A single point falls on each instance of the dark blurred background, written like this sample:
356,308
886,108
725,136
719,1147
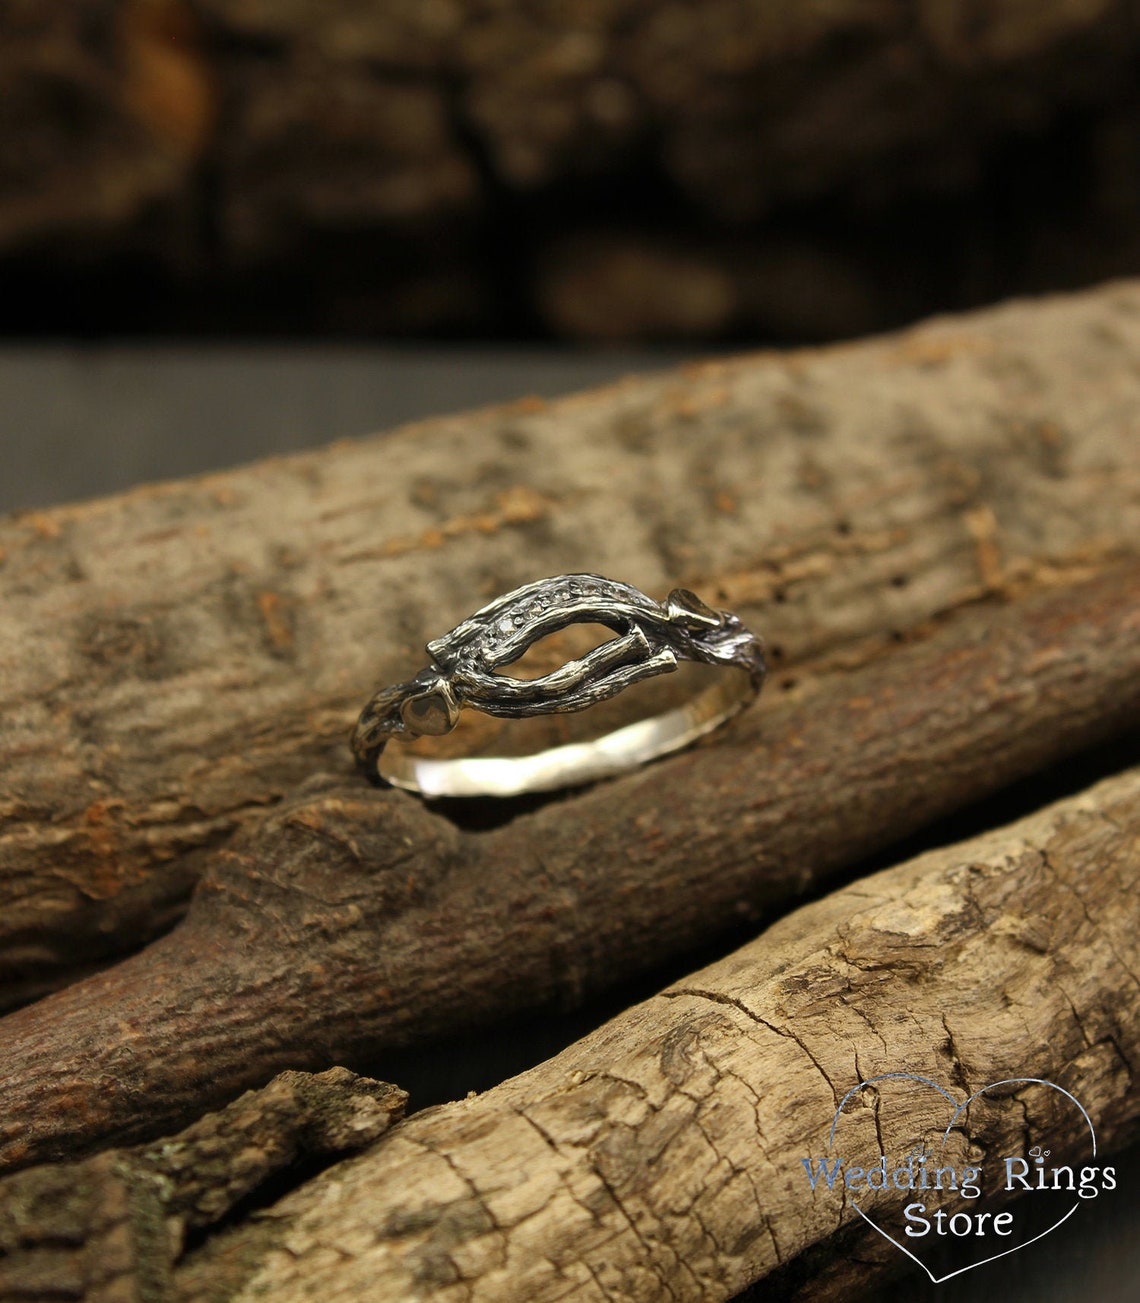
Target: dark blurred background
589,170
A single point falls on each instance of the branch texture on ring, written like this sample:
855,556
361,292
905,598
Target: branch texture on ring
652,637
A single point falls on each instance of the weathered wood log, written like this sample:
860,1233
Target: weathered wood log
113,1225
177,659
662,1156
352,920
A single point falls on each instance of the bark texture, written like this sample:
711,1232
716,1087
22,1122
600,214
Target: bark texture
661,1156
351,920
176,660
936,532
111,1227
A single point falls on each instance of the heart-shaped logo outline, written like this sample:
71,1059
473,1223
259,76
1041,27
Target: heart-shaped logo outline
1008,1081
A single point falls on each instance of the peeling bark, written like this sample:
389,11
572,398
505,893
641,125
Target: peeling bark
661,1156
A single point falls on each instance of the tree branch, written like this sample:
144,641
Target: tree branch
178,659
662,1155
351,921
112,1226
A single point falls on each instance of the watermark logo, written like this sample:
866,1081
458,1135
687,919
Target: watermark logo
927,1184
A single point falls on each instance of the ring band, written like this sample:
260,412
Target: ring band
652,637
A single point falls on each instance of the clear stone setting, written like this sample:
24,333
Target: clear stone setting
428,715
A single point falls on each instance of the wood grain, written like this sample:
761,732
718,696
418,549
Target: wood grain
662,1156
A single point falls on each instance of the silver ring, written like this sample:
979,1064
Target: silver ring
652,637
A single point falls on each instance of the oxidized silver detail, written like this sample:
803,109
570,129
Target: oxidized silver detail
652,638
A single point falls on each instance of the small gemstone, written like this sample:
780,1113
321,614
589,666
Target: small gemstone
506,626
427,715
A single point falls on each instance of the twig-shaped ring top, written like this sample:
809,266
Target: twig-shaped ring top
652,637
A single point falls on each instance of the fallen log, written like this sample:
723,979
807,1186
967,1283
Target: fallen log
351,921
177,659
113,1225
662,1156
966,623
